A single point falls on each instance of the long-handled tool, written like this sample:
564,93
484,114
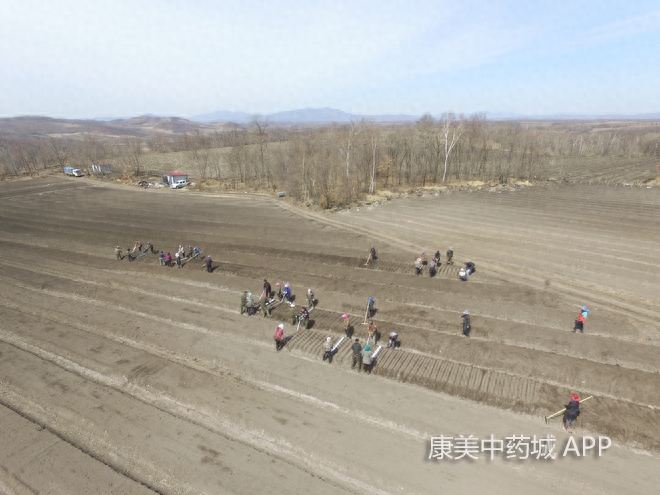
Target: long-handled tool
368,259
366,315
564,410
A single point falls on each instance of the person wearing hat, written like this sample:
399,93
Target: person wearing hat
466,323
249,304
287,292
118,253
347,325
356,358
462,274
581,318
294,314
278,336
371,307
366,359
327,349
423,258
279,291
572,412
244,302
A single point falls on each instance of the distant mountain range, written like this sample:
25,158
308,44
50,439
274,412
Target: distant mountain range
303,116
330,115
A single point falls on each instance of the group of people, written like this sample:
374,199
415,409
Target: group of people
164,259
434,263
469,269
133,253
282,293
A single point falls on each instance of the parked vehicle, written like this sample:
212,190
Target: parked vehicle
179,184
73,172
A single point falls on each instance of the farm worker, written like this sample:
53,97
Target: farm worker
244,302
356,358
168,260
450,256
279,291
310,298
177,255
128,254
423,258
581,318
294,314
265,311
327,349
278,336
437,257
470,267
118,253
303,316
418,266
466,323
190,251
196,251
373,253
371,307
366,359
287,292
209,264
249,303
267,289
462,275
150,247
347,325
392,340
572,412
161,258
371,332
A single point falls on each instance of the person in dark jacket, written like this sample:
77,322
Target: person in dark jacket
267,289
357,355
470,267
209,264
466,323
450,256
572,412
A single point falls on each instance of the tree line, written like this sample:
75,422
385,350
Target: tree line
337,164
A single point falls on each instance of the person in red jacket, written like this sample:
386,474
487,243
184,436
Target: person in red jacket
278,336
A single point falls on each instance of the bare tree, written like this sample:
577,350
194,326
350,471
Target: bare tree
134,149
452,130
260,125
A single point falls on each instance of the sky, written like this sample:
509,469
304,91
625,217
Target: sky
116,58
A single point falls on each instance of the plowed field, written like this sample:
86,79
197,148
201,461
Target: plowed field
131,377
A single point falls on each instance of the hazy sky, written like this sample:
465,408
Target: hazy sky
70,58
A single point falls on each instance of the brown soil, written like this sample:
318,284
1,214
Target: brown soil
120,377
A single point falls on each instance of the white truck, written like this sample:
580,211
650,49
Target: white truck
73,171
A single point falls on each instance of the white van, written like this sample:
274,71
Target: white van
179,184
